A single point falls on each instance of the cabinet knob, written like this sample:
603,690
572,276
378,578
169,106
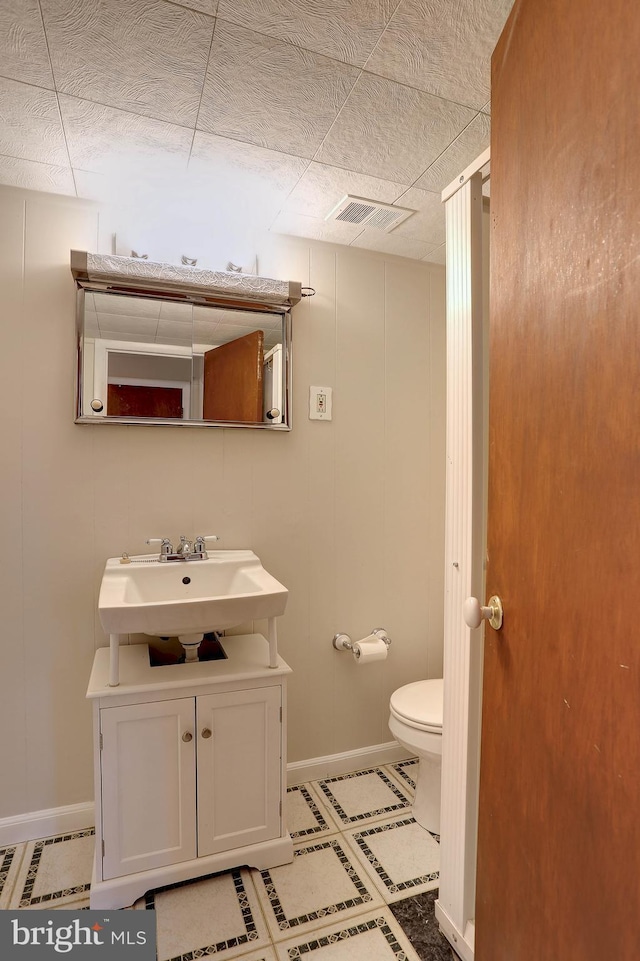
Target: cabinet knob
206,732
187,736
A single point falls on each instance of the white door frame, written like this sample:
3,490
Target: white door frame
464,550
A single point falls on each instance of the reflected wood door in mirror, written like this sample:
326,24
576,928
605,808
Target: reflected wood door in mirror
233,376
128,400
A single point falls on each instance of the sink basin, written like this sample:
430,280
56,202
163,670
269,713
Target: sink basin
149,597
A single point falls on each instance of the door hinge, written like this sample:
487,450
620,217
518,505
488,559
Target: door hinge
281,715
280,809
101,742
103,849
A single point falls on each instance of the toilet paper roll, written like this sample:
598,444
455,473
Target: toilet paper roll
370,648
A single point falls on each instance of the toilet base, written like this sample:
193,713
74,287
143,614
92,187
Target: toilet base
426,803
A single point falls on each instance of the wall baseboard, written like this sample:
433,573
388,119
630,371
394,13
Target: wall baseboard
47,823
333,765
77,817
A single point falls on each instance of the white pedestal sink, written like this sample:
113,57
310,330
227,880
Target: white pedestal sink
187,600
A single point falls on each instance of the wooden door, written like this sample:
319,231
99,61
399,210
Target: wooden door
559,822
233,376
239,772
148,786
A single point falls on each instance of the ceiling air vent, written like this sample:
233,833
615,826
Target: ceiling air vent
368,213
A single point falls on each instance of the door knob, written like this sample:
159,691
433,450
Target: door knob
187,736
474,613
206,732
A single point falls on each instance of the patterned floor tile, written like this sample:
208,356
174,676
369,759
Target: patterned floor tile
306,817
217,915
10,859
55,871
362,796
401,857
322,885
406,773
374,936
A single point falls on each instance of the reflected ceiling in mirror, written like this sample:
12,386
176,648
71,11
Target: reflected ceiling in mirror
181,357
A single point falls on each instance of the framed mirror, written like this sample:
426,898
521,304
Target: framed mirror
183,355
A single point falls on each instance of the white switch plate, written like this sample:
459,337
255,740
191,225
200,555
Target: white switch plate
320,403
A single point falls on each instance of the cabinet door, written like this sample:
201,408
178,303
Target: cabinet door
148,785
239,774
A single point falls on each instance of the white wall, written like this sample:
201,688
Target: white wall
348,514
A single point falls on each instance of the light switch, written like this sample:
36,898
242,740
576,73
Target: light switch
320,403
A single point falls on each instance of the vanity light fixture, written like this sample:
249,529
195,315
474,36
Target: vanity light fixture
136,273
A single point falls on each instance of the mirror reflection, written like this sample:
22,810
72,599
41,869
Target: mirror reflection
149,359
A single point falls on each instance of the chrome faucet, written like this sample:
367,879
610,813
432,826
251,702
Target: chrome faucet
187,550
185,547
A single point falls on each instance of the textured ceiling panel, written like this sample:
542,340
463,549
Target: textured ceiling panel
217,158
23,47
428,223
36,176
458,155
31,126
437,256
271,93
442,47
392,244
146,56
346,30
321,187
202,123
104,140
315,228
204,6
392,131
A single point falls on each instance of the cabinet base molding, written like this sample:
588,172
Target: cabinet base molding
122,892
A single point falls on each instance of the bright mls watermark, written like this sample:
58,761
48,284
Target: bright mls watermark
79,935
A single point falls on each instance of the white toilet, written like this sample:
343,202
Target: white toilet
416,723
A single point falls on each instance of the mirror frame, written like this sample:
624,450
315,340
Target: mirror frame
135,277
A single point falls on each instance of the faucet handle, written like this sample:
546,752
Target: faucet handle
199,543
166,547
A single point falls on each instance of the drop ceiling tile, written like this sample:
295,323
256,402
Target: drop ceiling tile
321,187
437,256
441,47
171,332
271,93
119,324
31,128
23,47
316,228
204,6
104,140
391,131
146,56
428,223
36,176
107,303
371,239
257,177
346,30
177,313
458,155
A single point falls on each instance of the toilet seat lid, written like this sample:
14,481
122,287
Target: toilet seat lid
420,703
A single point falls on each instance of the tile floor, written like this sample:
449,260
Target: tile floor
360,887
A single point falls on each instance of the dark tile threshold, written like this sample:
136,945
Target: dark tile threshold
416,917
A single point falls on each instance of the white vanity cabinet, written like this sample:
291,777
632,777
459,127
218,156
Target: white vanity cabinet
190,771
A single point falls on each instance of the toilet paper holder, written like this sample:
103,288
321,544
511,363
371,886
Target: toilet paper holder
342,642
